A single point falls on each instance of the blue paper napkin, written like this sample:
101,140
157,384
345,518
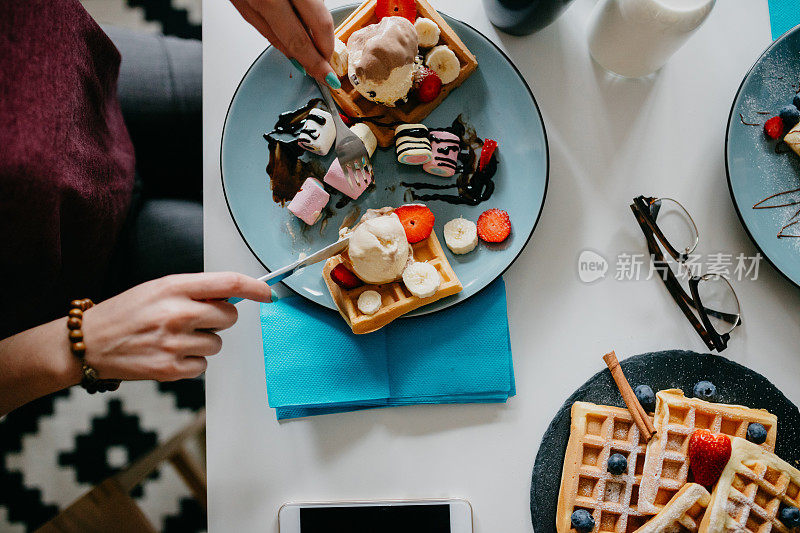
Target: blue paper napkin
783,16
315,365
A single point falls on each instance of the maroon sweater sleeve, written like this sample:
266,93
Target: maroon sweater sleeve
66,161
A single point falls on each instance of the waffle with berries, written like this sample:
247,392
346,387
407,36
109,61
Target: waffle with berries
396,300
597,432
676,418
383,119
751,491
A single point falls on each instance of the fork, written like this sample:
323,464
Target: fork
350,150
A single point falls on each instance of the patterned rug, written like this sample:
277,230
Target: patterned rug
57,448
180,18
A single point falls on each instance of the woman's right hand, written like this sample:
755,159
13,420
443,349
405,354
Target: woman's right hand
164,329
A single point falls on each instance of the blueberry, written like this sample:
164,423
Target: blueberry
617,464
582,521
796,101
790,116
756,433
788,515
646,397
705,390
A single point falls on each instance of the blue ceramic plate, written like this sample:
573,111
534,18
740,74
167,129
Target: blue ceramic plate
495,100
755,171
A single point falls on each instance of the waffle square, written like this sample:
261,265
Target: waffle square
750,490
355,105
682,514
596,432
396,300
666,467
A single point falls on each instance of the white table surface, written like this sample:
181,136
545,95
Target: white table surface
610,140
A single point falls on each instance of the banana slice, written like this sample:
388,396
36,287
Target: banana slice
461,235
427,31
369,302
443,62
422,279
366,136
339,58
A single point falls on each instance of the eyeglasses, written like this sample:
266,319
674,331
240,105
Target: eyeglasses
713,308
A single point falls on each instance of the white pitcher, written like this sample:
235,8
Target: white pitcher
634,38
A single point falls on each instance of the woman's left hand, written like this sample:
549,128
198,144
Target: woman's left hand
301,29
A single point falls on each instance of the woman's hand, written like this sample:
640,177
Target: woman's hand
164,329
301,29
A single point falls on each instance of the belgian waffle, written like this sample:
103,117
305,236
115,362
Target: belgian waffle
396,300
596,432
355,105
676,417
682,514
750,491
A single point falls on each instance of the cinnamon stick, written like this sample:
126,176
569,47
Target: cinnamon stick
640,417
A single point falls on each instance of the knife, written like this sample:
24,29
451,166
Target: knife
282,273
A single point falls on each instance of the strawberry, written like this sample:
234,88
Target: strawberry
429,85
344,278
494,225
417,220
708,455
347,120
396,8
487,151
774,128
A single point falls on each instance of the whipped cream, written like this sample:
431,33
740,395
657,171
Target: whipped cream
380,59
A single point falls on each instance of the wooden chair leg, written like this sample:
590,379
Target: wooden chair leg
192,474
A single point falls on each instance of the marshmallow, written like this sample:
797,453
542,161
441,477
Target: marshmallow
338,60
444,147
309,202
413,144
336,178
318,132
366,136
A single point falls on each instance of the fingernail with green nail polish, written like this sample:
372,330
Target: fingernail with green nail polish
333,81
298,66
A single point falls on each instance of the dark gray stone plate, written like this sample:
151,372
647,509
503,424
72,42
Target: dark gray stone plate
673,369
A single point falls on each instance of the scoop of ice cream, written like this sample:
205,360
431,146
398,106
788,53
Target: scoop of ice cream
380,59
378,249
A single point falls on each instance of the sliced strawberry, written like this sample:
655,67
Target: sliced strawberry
347,120
344,278
774,128
417,220
708,454
494,225
429,85
396,8
487,151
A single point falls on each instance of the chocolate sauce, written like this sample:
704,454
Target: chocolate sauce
741,117
287,166
472,186
312,134
417,133
444,147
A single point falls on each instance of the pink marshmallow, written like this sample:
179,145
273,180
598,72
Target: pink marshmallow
444,147
336,178
309,202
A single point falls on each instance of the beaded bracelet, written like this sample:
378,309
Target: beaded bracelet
89,379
